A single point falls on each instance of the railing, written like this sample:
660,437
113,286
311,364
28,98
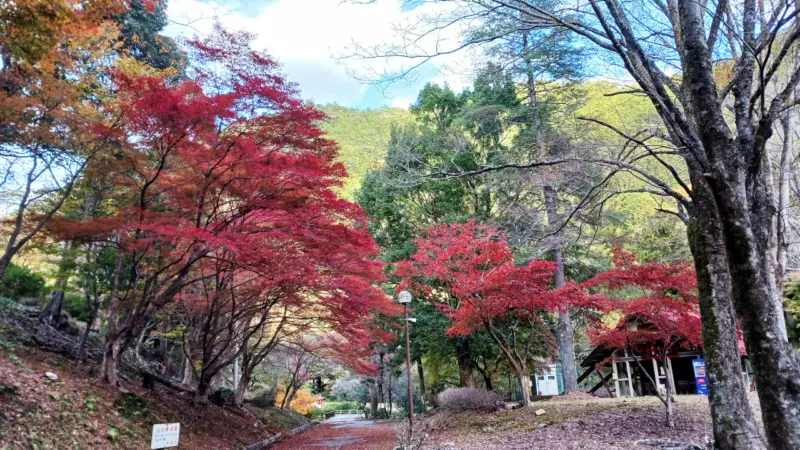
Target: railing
347,411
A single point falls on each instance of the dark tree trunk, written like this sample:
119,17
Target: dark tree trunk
52,311
734,424
389,391
381,378
777,368
51,314
745,212
487,381
201,394
5,261
292,395
373,401
464,356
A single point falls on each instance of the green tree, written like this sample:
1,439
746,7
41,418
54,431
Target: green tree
140,35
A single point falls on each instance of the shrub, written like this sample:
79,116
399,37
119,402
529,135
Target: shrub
302,402
314,413
224,395
7,306
412,438
469,399
339,406
76,305
264,399
21,282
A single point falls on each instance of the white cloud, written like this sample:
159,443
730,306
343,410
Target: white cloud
401,102
305,34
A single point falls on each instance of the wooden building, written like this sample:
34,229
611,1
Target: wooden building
621,375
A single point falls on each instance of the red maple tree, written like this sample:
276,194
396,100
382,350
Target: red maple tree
224,197
473,268
659,311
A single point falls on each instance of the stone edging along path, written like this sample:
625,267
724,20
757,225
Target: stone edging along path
266,443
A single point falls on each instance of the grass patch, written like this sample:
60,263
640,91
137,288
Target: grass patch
131,406
90,403
113,433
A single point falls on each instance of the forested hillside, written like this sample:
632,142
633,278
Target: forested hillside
362,136
583,231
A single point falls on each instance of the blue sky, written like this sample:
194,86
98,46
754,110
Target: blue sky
306,35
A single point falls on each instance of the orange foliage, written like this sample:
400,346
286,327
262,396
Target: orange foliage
302,402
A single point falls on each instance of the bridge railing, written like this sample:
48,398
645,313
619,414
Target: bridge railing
347,411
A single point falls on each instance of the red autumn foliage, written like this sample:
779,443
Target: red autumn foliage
660,313
475,268
661,299
470,269
223,196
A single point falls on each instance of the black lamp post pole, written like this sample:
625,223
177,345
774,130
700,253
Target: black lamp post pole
408,369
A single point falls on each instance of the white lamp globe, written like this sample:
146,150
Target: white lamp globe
404,297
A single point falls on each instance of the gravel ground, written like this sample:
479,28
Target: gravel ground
587,424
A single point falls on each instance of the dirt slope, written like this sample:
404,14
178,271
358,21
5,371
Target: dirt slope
79,412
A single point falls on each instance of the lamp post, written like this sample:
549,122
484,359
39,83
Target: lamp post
404,297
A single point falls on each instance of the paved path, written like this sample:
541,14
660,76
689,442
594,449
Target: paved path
343,432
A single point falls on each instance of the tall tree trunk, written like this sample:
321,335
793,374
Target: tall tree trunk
777,367
373,401
745,212
421,375
464,356
734,424
564,330
775,236
381,377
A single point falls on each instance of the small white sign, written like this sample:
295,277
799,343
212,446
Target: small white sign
165,435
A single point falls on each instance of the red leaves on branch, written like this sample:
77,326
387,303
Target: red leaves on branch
658,303
222,191
472,267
